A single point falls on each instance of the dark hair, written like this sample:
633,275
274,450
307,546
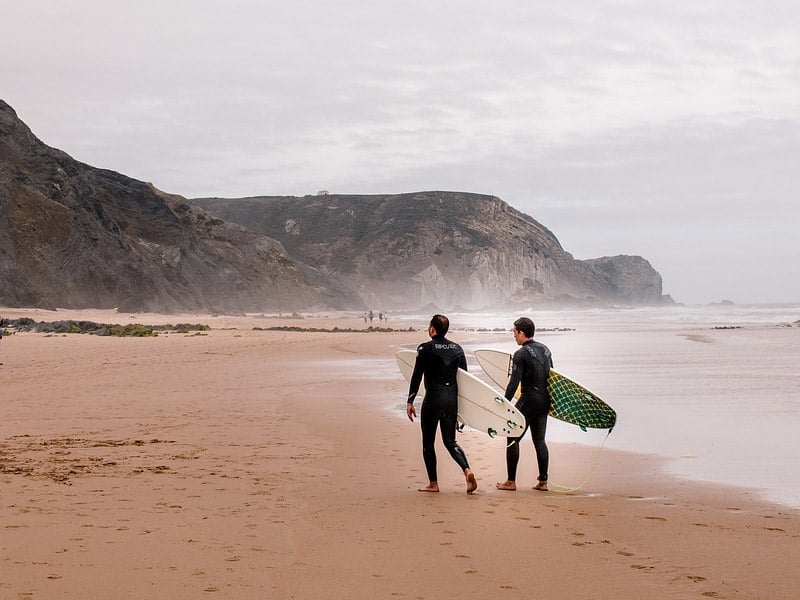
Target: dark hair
526,326
441,324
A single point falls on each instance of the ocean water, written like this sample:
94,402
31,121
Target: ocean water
713,389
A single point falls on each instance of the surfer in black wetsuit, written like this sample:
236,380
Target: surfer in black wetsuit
438,362
530,367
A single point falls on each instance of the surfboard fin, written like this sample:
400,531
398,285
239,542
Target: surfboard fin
491,432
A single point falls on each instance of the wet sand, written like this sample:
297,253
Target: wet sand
240,463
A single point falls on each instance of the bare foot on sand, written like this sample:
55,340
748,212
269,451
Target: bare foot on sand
508,486
431,487
541,486
472,484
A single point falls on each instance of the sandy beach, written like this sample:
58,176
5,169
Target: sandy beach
244,463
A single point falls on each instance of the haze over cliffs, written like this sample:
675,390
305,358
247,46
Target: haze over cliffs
445,249
72,235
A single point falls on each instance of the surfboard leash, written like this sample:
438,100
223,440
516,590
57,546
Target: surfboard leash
561,489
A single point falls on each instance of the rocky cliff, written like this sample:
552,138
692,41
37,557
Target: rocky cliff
75,236
445,249
72,235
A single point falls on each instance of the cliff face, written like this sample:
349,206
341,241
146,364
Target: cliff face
75,236
447,249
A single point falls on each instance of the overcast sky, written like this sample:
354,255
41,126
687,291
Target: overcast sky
654,128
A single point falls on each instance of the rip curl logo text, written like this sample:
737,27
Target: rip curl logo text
445,346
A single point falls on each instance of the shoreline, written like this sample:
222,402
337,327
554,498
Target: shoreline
684,464
470,337
257,464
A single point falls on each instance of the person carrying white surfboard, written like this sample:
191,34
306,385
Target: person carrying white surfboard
530,368
438,361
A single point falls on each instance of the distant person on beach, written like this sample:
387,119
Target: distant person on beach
530,367
438,362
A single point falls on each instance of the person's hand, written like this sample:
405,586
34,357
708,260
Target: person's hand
411,411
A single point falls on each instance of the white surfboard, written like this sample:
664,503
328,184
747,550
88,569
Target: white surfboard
480,406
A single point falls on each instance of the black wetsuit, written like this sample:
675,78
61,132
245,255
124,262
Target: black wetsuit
438,361
530,367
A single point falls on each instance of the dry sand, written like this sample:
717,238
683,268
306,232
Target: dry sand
260,464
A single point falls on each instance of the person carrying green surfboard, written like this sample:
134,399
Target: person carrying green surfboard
530,368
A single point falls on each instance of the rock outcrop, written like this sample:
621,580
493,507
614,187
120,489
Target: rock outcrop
74,236
444,249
